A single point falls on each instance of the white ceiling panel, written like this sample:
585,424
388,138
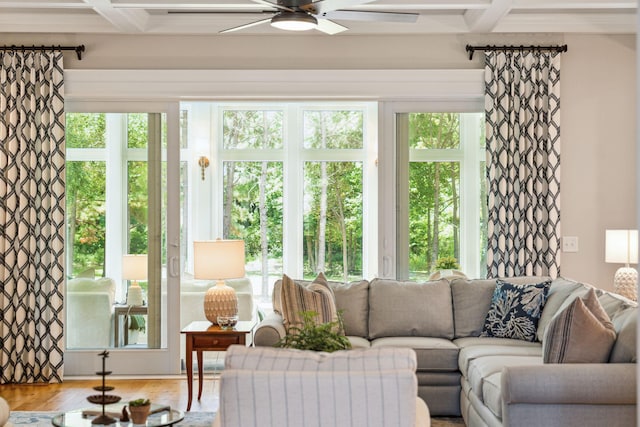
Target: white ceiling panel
213,16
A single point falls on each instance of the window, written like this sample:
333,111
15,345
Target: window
443,223
293,180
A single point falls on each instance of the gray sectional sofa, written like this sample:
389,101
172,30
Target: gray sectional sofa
489,381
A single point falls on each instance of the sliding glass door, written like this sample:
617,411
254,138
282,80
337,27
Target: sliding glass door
118,205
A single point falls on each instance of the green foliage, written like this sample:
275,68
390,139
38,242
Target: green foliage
139,402
327,337
86,191
447,263
137,322
434,191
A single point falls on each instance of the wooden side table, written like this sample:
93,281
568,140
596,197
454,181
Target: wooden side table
205,336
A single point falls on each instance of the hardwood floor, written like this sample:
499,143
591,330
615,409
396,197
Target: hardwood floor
72,394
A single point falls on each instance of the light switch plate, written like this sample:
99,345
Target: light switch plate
570,244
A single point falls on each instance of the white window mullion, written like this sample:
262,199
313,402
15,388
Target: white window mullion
293,195
203,219
387,206
469,197
116,212
370,194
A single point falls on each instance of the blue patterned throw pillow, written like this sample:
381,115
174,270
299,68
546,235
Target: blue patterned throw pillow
515,310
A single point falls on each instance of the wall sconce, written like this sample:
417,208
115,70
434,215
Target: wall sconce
203,162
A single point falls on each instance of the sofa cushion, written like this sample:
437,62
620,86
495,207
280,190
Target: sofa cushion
353,300
612,303
470,353
297,298
433,354
561,293
471,302
515,310
359,342
625,323
491,394
473,341
482,367
472,299
581,333
410,309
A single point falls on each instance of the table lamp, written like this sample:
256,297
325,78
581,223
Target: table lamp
219,260
134,268
622,248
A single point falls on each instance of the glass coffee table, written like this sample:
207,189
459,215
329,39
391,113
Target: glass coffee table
80,418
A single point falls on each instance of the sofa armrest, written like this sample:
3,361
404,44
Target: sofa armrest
569,394
269,331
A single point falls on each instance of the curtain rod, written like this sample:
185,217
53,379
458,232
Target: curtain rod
78,49
471,49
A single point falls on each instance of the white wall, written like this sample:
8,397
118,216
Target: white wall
598,102
598,128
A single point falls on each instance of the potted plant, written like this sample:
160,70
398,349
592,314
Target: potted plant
137,325
139,410
327,337
446,267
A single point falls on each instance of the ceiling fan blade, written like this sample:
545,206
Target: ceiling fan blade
274,5
330,27
356,15
323,6
249,25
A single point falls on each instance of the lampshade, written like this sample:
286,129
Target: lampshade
134,268
622,246
219,260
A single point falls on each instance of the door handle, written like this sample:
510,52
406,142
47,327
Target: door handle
174,266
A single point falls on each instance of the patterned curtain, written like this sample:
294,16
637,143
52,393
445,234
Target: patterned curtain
32,158
522,103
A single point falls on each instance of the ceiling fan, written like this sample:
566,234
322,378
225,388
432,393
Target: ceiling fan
302,15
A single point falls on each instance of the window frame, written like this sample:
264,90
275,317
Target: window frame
394,262
293,155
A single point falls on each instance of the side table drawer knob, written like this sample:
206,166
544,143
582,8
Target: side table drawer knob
213,342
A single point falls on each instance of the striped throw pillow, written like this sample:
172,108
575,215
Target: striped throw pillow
296,298
581,333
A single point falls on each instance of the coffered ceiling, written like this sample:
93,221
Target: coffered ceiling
213,16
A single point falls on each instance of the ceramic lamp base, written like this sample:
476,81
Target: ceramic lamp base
220,300
134,295
625,283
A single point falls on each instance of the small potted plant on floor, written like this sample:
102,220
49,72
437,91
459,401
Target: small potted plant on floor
139,410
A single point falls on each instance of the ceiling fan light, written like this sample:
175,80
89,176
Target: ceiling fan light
294,21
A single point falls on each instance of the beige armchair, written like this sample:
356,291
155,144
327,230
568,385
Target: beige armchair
268,387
